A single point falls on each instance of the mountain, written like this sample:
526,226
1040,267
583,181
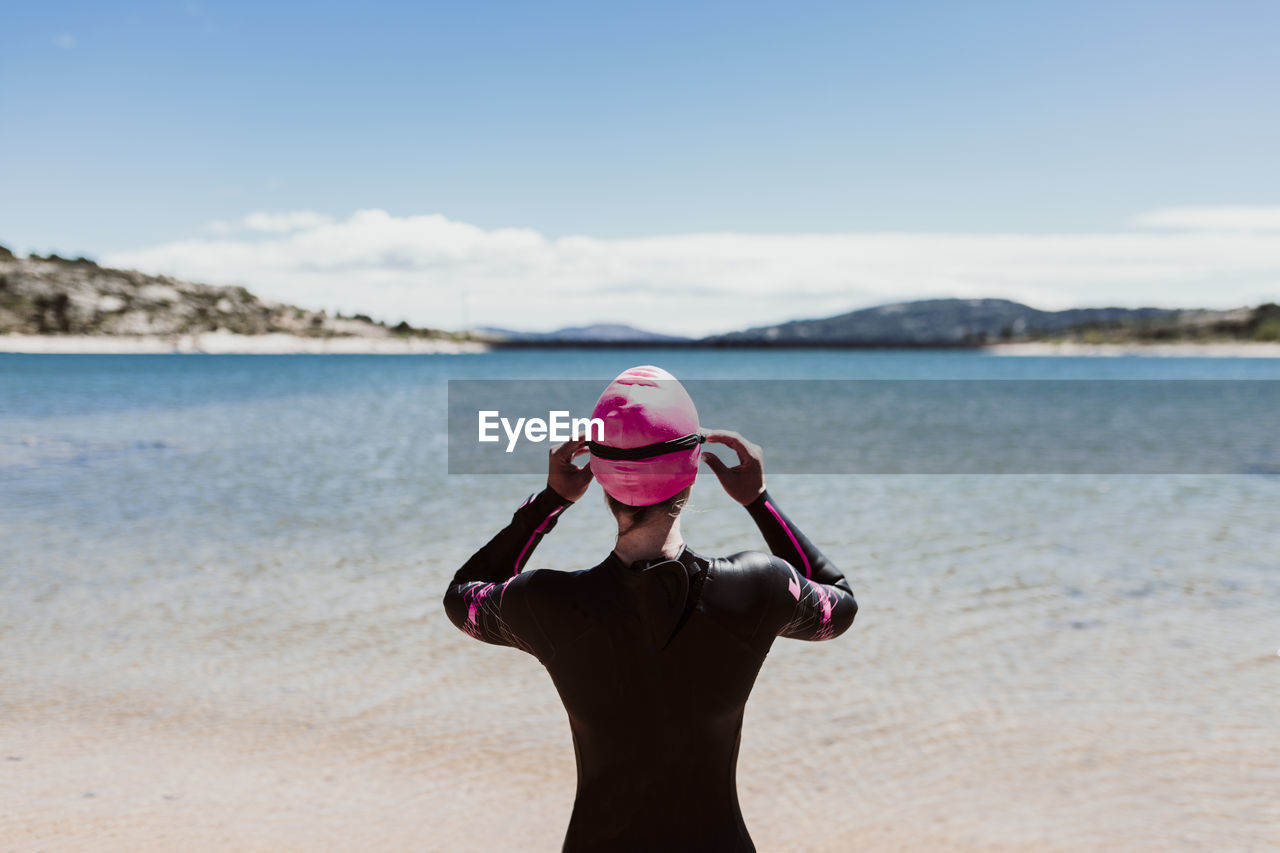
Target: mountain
951,322
57,296
615,333
54,296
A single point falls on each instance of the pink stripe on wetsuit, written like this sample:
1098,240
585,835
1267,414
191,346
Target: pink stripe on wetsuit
808,570
533,537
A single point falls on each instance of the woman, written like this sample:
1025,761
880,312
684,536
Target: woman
655,650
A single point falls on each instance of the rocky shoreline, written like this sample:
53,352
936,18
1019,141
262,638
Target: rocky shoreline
54,304
278,343
58,305
229,343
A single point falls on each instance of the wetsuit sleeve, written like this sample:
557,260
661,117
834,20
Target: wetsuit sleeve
488,597
809,597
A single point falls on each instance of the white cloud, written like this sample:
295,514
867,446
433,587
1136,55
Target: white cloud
435,271
1247,218
271,223
283,223
66,41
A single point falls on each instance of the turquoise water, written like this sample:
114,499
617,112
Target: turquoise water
205,544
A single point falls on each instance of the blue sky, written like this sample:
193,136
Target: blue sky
130,127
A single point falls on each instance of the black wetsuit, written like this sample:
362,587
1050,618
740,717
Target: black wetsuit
654,663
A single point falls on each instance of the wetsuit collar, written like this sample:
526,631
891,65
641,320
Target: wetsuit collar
664,592
687,557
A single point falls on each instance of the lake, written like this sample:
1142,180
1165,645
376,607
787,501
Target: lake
220,620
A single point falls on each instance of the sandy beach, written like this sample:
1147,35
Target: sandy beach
227,343
1183,350
926,767
131,787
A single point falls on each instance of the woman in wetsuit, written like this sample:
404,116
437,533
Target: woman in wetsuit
655,650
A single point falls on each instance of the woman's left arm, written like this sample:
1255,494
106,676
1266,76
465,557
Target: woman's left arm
475,596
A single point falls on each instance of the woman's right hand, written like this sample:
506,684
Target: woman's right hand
743,482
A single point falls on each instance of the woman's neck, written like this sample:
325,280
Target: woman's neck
650,542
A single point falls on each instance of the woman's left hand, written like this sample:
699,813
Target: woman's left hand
566,479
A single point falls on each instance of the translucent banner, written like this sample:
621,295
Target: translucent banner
909,426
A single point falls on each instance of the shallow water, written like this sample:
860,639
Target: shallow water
221,577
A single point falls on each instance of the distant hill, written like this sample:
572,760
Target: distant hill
597,333
57,296
952,322
54,296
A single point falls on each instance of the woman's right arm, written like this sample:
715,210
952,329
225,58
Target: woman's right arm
821,604
809,597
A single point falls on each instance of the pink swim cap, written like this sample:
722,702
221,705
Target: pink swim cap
650,448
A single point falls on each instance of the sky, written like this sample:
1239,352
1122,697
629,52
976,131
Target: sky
688,167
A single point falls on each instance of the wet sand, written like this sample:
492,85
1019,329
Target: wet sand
133,788
910,756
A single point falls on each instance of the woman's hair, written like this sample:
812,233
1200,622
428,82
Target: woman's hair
635,516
